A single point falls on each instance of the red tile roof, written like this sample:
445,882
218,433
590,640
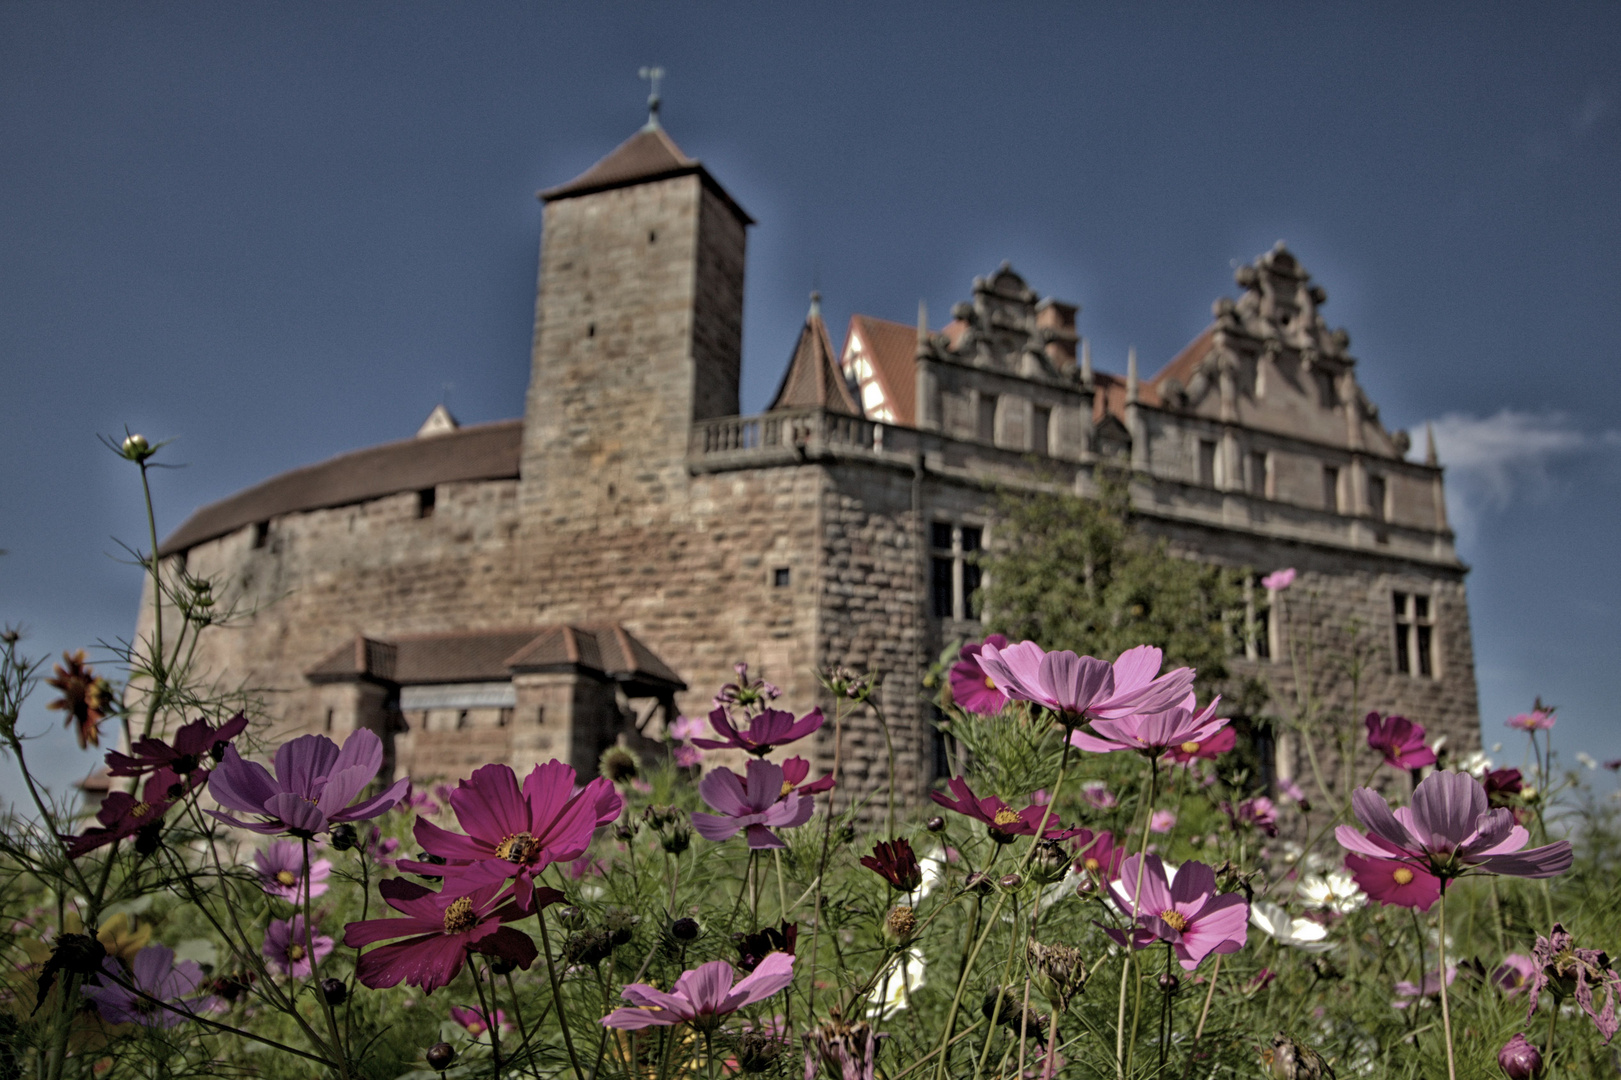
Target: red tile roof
648,155
813,378
892,348
480,452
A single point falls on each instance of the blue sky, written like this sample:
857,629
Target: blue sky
277,232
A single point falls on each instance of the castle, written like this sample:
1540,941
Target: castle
540,587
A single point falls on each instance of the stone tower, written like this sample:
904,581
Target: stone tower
638,331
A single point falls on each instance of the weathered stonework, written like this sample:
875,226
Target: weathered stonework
634,496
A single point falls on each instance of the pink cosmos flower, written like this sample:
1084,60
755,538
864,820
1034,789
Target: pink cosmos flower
1535,720
195,744
971,688
1003,822
1400,740
313,786
767,731
1290,791
755,806
746,693
1449,831
515,832
701,997
1257,813
441,931
688,727
1407,993
1208,749
1098,796
1083,687
1185,911
1514,973
1151,734
686,757
1162,821
1278,580
154,973
419,802
281,871
1097,854
287,949
794,771
475,1020
1393,882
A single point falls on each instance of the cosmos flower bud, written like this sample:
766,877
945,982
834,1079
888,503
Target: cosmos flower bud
626,830
589,947
344,837
757,1051
335,991
936,824
979,882
1011,881
1519,1059
135,448
900,924
1049,863
440,1056
502,965
1058,969
618,765
685,929
571,916
676,840
1169,983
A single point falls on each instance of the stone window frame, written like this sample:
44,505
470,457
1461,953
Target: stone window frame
1260,640
965,575
1415,647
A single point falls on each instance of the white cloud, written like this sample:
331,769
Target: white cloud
1495,461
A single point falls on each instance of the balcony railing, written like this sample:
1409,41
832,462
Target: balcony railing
794,433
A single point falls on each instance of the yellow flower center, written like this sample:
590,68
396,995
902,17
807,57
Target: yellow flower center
140,809
1092,864
786,788
1005,816
459,916
295,952
990,683
1190,747
1402,876
518,848
1174,919
286,877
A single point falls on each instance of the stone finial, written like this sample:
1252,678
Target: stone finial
922,321
439,422
1086,361
652,75
1131,375
816,306
1431,458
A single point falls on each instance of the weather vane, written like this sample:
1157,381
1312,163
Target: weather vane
652,75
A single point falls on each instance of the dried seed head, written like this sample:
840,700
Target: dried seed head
1059,971
900,924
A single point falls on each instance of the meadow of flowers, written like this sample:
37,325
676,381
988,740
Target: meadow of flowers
1101,890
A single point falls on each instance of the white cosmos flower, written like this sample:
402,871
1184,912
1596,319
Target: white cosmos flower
894,987
933,866
1334,891
1304,934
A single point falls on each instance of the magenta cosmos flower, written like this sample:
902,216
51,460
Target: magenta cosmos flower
1003,822
703,996
1083,686
195,744
1097,855
1449,831
153,973
1399,884
441,931
1151,734
288,948
281,871
312,788
794,771
1514,973
1207,749
1535,720
971,688
1184,910
122,814
476,1021
771,729
753,806
1400,740
515,832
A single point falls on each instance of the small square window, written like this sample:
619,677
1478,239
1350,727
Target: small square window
943,587
987,418
1331,489
780,577
261,533
971,535
1207,463
1040,424
940,535
426,498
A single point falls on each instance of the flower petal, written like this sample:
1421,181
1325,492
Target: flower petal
241,785
302,764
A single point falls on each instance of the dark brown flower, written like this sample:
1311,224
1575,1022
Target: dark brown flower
85,697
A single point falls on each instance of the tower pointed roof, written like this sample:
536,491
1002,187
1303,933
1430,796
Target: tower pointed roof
646,156
813,379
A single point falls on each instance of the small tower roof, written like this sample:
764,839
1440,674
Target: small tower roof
648,155
813,378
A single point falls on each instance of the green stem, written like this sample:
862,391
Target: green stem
1446,1012
1125,963
315,970
557,994
490,1024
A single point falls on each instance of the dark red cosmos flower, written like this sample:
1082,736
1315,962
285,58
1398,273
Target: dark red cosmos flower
85,698
1003,822
771,729
752,948
444,930
1502,785
971,688
122,814
1098,854
1400,740
193,743
1568,971
1219,743
896,863
794,771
